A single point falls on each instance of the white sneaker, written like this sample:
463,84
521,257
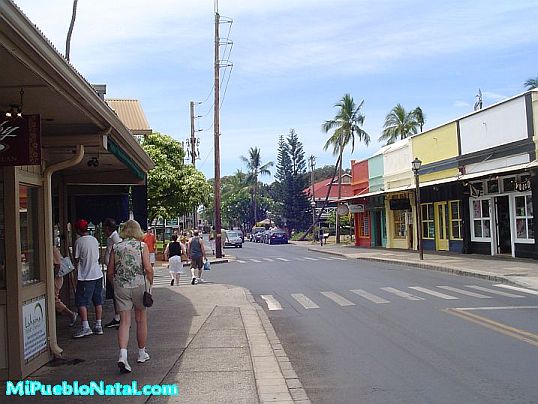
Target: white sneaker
124,365
142,357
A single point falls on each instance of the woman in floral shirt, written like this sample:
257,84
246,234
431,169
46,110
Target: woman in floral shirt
126,267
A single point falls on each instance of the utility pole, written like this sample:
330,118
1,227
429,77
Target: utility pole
216,127
194,144
312,164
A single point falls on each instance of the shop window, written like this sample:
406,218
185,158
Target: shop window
400,229
524,218
428,223
481,228
455,220
2,237
29,230
509,184
364,225
493,186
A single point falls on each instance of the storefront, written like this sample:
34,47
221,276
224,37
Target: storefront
401,231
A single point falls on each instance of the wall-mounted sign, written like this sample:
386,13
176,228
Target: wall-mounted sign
342,209
400,204
20,141
522,186
34,327
356,208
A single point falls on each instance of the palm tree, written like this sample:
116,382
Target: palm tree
399,124
255,168
346,124
419,117
531,83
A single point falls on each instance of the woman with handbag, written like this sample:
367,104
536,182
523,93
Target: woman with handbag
173,253
58,283
130,270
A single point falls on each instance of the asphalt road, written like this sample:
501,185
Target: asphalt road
362,332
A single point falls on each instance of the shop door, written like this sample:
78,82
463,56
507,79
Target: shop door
441,226
502,219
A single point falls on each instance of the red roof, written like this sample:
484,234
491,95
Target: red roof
320,189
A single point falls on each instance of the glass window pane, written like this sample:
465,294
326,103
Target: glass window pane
485,208
477,212
478,228
530,228
485,228
424,212
425,229
431,230
456,229
493,186
430,211
509,184
521,228
520,206
455,209
29,229
530,211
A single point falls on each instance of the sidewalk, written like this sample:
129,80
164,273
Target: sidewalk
212,340
514,271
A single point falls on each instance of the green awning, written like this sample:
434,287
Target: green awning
125,159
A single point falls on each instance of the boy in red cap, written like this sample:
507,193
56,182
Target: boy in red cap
90,279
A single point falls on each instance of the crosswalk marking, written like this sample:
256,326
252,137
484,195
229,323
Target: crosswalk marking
340,300
401,293
326,258
304,301
241,262
283,259
369,296
517,289
495,292
299,259
268,259
253,260
465,292
310,259
433,293
272,303
340,258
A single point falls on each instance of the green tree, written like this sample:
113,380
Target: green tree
255,169
531,83
174,189
399,124
346,125
290,183
419,117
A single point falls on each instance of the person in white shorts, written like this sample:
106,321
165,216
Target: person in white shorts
174,251
151,242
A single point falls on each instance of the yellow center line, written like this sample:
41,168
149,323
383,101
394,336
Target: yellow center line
521,335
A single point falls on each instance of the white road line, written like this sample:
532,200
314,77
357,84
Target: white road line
299,259
401,293
268,259
304,301
369,296
433,293
465,292
326,258
517,289
340,259
283,259
241,262
335,297
310,259
495,292
496,308
272,303
253,260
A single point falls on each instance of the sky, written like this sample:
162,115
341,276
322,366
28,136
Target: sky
293,60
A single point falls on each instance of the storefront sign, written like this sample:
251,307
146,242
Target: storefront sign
356,208
20,141
523,186
399,204
34,325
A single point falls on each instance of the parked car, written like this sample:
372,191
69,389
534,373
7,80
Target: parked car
240,232
233,239
265,236
255,235
277,236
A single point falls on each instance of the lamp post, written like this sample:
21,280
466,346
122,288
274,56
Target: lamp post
313,205
416,163
312,164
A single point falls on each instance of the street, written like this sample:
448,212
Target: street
363,332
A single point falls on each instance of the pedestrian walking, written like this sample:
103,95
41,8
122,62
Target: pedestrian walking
196,251
212,236
173,254
131,271
151,242
58,283
111,233
90,279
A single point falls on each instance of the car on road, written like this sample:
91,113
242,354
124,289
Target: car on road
256,234
277,236
233,239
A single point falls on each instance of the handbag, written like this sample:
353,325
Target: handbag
207,265
147,299
66,266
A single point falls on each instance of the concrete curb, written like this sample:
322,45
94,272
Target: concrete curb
295,390
427,266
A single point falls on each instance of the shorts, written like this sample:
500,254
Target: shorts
197,262
89,290
152,258
175,265
126,298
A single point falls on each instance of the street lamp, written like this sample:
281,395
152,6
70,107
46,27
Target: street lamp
416,163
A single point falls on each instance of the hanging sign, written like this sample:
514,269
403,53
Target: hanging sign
356,208
20,141
342,209
34,331
523,186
